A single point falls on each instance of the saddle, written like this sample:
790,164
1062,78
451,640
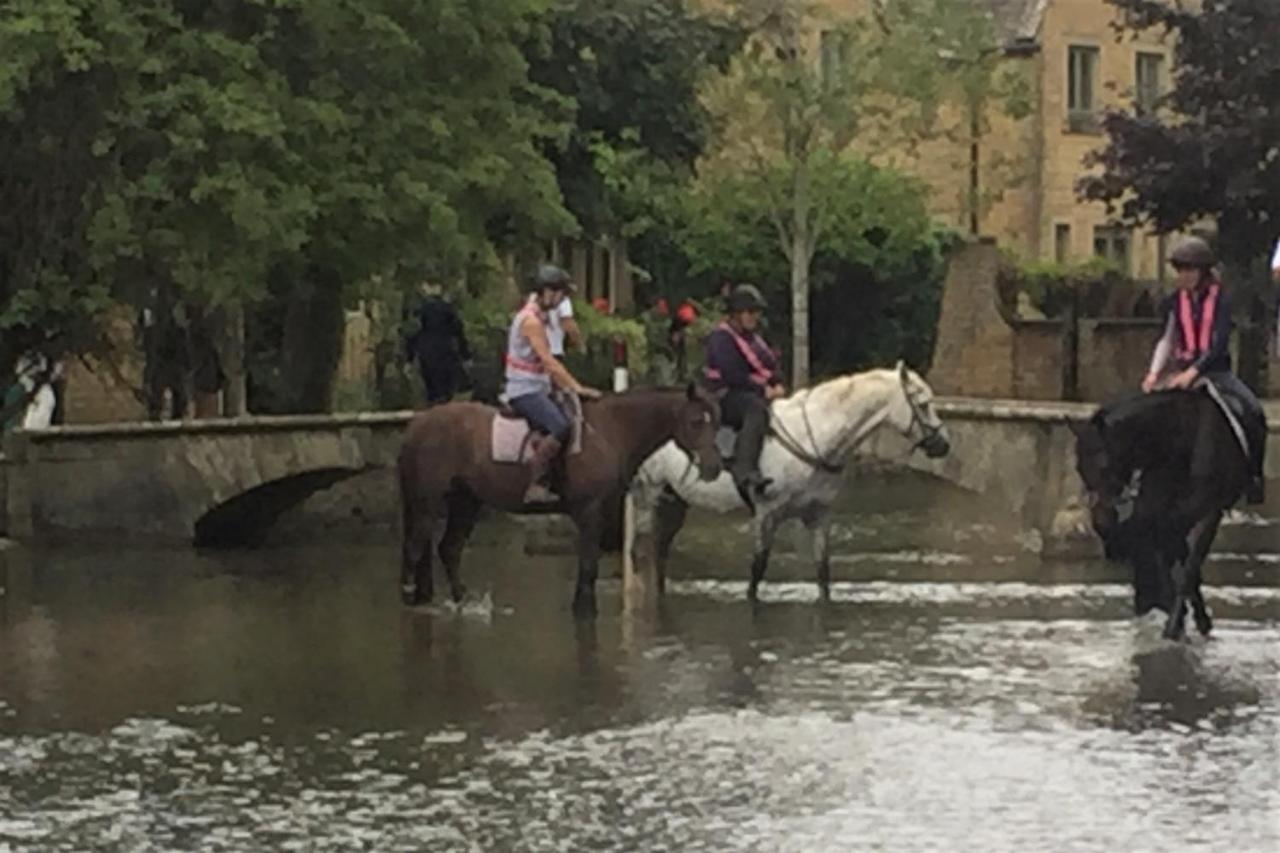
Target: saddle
513,440
1243,426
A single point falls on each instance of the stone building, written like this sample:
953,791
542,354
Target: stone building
1075,67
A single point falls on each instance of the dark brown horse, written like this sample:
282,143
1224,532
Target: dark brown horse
447,474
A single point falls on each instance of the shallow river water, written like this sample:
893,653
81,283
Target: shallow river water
956,696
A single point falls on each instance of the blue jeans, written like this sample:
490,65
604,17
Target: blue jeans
542,414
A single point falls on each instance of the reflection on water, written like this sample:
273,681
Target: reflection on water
283,700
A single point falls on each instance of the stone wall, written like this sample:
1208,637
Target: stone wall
107,389
1113,355
974,351
984,351
1040,355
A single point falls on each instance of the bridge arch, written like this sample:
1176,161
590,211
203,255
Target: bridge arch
244,520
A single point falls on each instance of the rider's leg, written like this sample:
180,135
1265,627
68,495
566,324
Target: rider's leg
546,417
752,413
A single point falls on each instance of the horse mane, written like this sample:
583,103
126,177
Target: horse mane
837,384
1136,407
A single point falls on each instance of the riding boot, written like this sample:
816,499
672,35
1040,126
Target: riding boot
539,463
746,452
1255,492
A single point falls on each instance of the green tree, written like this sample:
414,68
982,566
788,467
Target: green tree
1209,151
240,149
630,71
807,86
877,275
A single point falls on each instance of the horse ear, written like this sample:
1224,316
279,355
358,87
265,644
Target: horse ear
901,367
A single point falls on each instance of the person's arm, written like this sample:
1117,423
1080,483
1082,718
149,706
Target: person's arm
572,334
1161,354
536,333
1219,336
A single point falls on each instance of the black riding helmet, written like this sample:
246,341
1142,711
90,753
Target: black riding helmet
746,297
551,277
1193,252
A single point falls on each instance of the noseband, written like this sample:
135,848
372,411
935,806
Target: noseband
928,432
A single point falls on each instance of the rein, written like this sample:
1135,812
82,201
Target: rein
792,446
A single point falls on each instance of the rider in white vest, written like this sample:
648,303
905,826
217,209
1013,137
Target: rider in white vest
531,368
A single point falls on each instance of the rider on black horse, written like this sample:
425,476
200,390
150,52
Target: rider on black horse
1195,341
741,364
530,371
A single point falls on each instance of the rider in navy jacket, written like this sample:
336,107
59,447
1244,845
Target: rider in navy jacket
740,364
1196,341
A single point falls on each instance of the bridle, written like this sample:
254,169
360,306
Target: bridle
928,432
816,458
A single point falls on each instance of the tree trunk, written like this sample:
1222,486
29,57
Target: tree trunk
312,345
1247,283
801,255
235,401
975,169
800,258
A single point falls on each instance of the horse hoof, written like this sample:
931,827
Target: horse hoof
458,592
753,594
409,596
1205,625
1174,632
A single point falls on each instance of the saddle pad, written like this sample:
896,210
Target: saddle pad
510,441
510,438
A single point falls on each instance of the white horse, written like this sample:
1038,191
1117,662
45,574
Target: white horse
812,434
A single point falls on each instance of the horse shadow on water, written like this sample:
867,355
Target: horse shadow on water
812,435
1159,471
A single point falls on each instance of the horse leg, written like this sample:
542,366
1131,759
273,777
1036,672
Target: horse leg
765,527
1175,627
820,529
669,516
464,509
1202,536
415,568
588,520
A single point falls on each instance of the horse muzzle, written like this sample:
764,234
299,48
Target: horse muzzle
709,466
935,445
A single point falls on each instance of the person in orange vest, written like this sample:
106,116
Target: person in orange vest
740,364
1196,342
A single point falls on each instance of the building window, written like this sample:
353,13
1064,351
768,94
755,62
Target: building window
833,55
1112,242
1061,242
1148,77
1082,88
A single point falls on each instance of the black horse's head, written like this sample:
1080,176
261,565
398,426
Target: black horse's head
1105,477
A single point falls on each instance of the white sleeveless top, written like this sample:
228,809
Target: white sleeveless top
524,371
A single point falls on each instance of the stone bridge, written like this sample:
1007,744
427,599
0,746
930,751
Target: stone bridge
214,482
224,482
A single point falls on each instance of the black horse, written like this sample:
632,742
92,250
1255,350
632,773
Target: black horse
1159,470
